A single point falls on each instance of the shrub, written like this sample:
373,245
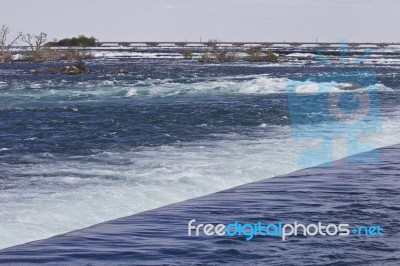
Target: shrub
34,56
47,54
224,56
187,54
218,56
271,57
257,55
202,59
5,56
254,51
81,66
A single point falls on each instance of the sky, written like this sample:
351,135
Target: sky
192,20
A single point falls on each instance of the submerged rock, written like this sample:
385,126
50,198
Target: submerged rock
70,70
34,71
123,71
53,70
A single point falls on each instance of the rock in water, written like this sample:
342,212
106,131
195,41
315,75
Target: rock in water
34,71
70,70
53,70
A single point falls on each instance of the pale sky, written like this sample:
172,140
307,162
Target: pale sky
225,20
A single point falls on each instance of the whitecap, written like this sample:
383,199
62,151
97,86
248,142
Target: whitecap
131,92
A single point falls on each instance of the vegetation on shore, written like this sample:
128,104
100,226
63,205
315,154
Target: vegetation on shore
75,69
187,54
46,54
254,54
218,55
81,41
37,51
6,43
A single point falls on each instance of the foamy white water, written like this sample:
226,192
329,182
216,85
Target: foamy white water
113,89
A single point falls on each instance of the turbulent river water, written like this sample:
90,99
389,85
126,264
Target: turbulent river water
79,150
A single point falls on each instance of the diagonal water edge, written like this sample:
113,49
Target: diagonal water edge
181,173
135,237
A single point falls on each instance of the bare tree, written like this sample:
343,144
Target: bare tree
212,43
4,32
34,41
40,39
5,45
28,38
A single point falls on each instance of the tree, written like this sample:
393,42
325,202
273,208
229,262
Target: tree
4,32
212,43
81,41
35,42
5,45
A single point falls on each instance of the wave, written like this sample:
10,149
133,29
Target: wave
50,91
129,54
259,85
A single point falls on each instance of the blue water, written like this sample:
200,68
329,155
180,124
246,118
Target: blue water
80,150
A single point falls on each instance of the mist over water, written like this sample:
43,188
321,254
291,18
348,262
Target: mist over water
79,150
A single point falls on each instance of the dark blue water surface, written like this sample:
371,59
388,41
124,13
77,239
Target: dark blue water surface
76,115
